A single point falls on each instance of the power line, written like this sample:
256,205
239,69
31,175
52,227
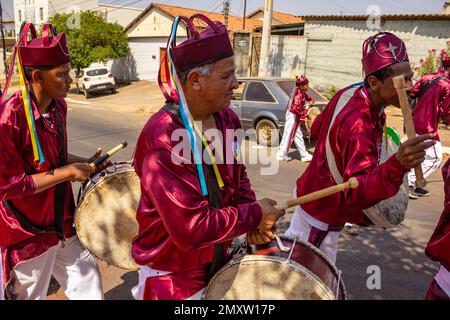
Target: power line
342,7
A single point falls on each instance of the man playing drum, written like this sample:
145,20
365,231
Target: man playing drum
431,102
292,129
354,140
438,248
190,211
37,239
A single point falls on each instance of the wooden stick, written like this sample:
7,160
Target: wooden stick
399,84
109,154
352,183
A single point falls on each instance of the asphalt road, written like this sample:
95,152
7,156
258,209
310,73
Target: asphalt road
405,271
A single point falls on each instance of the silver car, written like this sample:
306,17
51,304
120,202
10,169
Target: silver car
261,104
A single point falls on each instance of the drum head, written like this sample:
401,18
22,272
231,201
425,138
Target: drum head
106,218
266,278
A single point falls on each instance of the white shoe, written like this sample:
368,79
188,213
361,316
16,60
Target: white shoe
308,158
285,157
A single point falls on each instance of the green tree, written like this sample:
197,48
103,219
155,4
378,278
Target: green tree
93,40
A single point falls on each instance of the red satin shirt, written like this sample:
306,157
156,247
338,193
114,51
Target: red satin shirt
432,105
299,102
355,139
438,248
177,226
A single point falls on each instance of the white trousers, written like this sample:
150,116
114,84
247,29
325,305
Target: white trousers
73,267
301,227
433,158
289,134
147,272
443,280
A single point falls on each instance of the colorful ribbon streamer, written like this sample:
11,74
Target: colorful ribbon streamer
177,94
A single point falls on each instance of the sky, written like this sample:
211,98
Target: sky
296,7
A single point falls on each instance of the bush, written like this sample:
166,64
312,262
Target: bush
430,63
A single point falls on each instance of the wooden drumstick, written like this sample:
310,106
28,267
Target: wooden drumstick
109,154
352,183
399,84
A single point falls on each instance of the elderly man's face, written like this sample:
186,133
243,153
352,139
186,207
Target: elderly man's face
217,88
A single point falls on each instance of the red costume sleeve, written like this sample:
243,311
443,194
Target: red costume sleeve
190,221
376,182
310,99
444,106
14,182
298,102
438,247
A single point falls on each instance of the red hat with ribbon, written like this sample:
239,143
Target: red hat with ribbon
210,45
382,50
301,81
48,50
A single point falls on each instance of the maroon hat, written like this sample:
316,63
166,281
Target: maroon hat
301,81
211,45
381,51
49,50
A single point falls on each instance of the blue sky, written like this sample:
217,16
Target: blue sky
297,7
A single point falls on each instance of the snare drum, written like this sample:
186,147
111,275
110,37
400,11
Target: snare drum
285,270
105,218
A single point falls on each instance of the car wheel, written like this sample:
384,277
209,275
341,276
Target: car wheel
86,94
265,131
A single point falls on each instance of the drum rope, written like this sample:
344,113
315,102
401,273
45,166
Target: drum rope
292,250
338,284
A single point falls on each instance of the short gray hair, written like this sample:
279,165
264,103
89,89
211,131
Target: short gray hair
204,70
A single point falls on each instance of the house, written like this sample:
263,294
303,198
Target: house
122,15
9,28
334,43
278,18
148,34
39,11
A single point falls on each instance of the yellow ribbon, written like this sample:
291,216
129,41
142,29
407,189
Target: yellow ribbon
213,158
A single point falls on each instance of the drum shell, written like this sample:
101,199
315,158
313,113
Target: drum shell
306,259
105,218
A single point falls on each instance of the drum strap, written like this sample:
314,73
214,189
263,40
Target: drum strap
214,198
59,195
424,89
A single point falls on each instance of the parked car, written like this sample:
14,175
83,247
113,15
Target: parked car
97,79
261,104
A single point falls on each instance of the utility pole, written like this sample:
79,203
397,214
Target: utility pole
3,39
245,15
226,11
265,41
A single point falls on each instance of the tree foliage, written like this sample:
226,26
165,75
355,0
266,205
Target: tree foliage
93,39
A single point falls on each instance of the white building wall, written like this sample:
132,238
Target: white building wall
334,49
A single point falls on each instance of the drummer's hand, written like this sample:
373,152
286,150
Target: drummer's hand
102,165
258,237
80,171
411,153
270,214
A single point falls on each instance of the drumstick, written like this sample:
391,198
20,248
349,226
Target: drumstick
352,183
109,154
399,84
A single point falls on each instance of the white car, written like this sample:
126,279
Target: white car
97,79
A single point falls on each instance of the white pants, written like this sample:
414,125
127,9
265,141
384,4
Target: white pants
289,135
147,272
433,158
73,267
301,227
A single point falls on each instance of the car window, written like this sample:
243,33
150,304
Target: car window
237,94
287,86
96,72
257,91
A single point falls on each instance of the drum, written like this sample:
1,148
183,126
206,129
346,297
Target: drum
105,218
390,212
307,121
284,269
